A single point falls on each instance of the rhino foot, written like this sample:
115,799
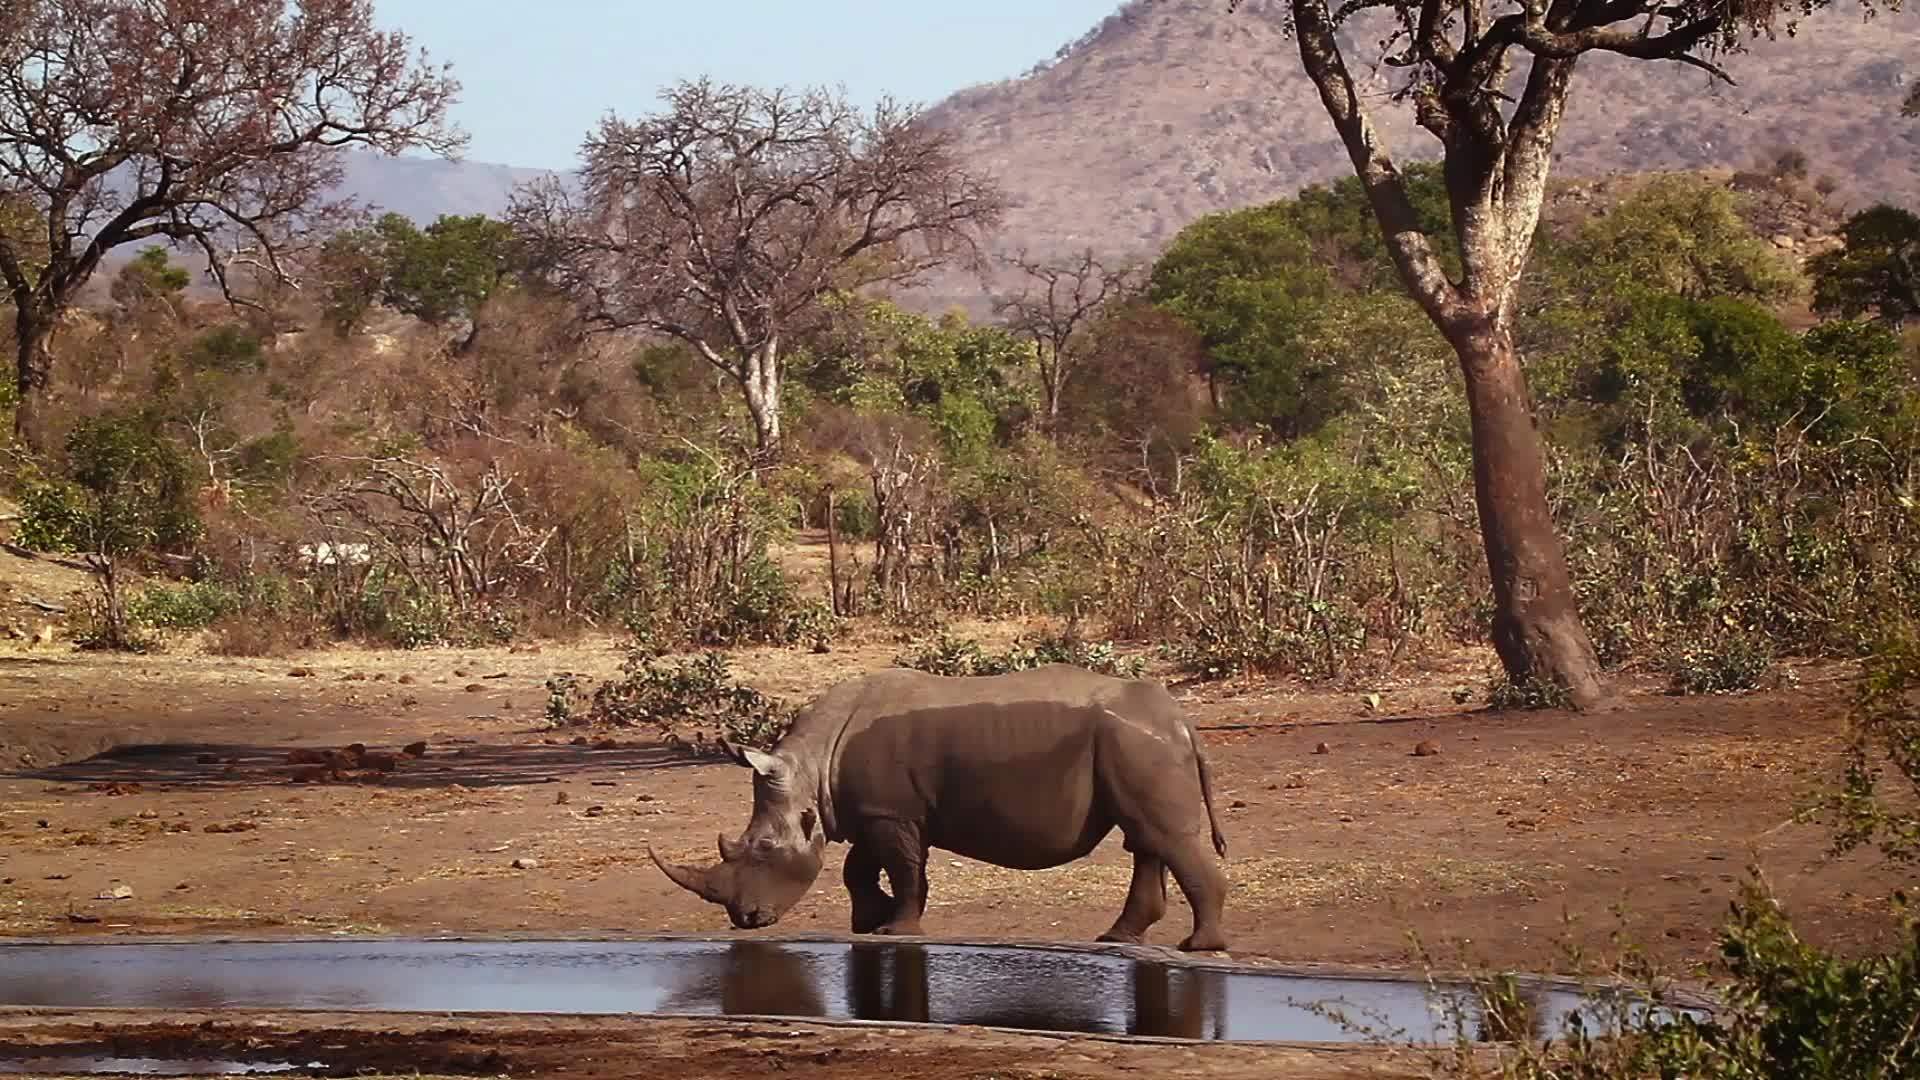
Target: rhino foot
1211,941
900,928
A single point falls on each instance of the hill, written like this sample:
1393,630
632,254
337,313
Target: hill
1170,109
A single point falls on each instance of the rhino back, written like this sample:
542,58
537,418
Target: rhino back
997,768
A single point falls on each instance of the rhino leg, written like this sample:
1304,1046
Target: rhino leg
1146,901
872,907
901,851
1205,883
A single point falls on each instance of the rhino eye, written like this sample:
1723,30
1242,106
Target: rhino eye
764,844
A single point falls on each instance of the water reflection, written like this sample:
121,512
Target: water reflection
1034,989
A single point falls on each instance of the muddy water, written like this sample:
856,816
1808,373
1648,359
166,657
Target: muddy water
1033,989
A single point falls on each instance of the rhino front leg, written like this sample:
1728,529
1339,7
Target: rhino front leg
901,851
872,907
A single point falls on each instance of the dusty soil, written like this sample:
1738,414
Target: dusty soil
1524,827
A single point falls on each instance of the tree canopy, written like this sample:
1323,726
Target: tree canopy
212,123
724,219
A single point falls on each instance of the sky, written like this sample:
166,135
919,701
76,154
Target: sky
536,77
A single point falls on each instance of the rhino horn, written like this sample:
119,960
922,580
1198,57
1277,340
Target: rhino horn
730,850
696,880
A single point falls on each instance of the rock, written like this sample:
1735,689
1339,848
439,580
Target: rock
232,827
596,811
405,680
1296,782
474,688
606,744
560,799
415,749
580,740
300,673
1782,240
380,762
526,864
82,917
459,673
1323,748
1426,749
119,890
1237,804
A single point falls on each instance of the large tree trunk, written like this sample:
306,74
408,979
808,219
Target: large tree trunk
1536,621
33,373
1496,174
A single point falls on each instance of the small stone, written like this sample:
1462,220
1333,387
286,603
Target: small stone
1426,749
596,811
580,740
300,673
473,688
560,799
405,680
526,864
1323,748
1238,804
415,749
119,890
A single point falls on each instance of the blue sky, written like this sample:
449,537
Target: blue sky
537,76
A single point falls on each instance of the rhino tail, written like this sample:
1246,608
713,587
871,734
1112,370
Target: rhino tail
1206,793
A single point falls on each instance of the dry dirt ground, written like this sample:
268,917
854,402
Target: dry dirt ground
167,774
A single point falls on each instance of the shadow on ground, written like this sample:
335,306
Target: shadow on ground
222,765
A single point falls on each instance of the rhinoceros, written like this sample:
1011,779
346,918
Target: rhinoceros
1028,770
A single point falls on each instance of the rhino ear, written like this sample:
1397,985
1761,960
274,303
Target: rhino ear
768,765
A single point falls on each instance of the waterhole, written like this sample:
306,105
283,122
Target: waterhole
1035,989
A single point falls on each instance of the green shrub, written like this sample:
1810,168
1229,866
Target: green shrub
1503,693
948,655
192,605
1725,665
699,694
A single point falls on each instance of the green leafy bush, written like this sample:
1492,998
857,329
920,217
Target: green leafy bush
192,605
1503,693
948,655
1726,664
698,694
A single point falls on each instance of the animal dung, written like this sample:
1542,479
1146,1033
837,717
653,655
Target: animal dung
1426,749
1323,748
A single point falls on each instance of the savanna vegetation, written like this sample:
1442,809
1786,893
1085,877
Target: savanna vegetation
1250,454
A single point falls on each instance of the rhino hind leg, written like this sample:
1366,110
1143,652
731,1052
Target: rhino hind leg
1192,861
1146,901
872,906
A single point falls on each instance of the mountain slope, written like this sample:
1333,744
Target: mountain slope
1173,108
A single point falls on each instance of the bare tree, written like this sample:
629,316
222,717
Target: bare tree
1058,307
1458,59
723,220
214,123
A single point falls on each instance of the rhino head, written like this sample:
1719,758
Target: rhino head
775,861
